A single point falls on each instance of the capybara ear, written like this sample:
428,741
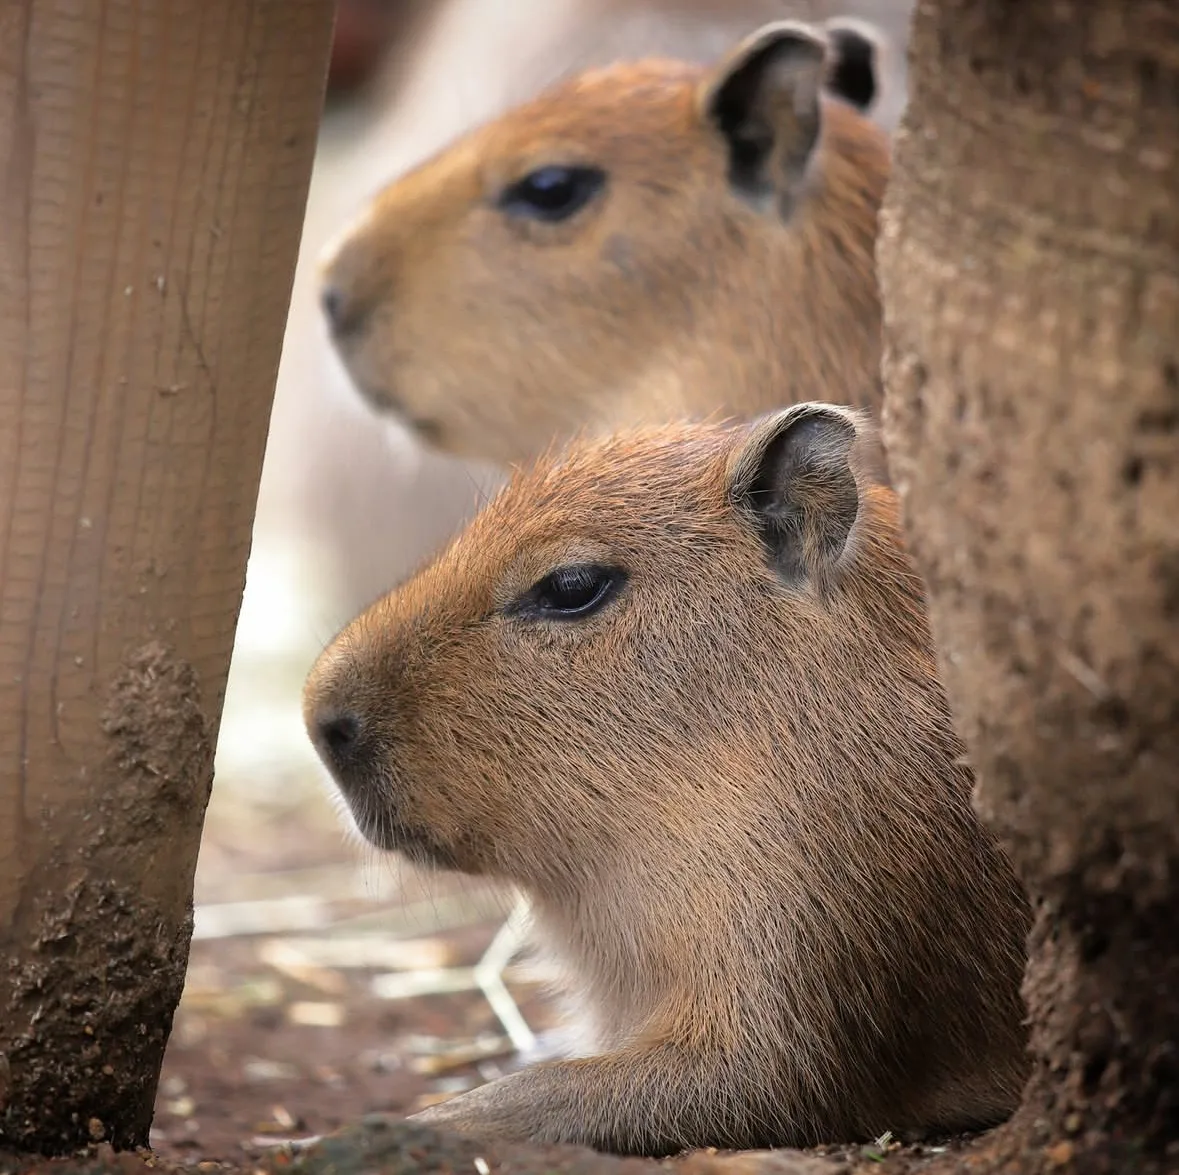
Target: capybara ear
854,66
764,99
793,475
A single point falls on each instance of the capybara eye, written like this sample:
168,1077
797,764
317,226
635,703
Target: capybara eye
552,193
571,592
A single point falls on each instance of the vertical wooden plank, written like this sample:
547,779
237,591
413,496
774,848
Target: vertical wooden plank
154,162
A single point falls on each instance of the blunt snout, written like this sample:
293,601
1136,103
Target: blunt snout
344,307
338,736
341,729
351,282
334,303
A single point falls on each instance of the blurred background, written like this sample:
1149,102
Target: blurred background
325,981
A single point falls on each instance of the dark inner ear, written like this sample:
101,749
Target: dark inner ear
852,76
803,492
767,109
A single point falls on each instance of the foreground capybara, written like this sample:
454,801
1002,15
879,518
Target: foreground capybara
678,686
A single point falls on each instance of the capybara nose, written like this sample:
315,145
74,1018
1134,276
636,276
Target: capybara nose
338,735
334,304
332,301
344,311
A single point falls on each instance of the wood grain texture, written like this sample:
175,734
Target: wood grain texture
154,162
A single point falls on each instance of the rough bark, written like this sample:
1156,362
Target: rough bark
1030,266
154,160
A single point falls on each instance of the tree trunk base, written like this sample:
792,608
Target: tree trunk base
1106,1014
93,993
1029,263
76,1081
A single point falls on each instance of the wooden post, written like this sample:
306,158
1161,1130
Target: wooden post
154,162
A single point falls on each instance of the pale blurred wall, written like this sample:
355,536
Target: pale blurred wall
349,505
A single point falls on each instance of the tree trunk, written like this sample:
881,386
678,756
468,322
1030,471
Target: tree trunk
1030,266
154,161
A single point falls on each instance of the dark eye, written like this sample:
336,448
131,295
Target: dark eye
552,193
571,592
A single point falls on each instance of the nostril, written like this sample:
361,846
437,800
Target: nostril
345,312
332,301
339,733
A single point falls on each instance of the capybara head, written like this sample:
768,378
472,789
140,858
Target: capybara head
678,685
644,242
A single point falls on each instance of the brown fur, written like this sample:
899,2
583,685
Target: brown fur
672,295
733,794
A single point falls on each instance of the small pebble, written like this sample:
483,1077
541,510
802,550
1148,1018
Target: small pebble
1060,1154
316,1015
258,1069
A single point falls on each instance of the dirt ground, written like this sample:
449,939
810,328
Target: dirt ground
258,1056
242,1073
280,1034
379,1144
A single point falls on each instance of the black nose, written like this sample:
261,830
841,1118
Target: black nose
344,312
331,298
339,734
339,738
